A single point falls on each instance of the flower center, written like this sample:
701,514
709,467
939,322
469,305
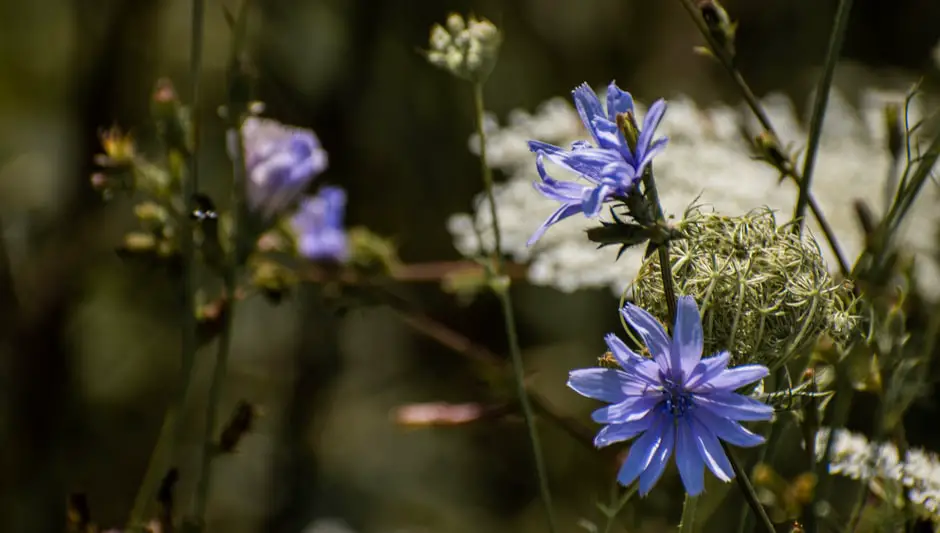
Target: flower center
676,400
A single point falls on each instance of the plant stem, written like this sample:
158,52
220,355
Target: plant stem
209,442
773,435
230,277
836,38
687,522
170,432
744,483
841,408
612,512
911,188
665,264
722,55
500,285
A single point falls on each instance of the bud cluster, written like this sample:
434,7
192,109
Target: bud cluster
466,48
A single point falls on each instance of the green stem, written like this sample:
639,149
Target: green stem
170,432
861,493
612,512
913,185
665,263
773,435
810,427
836,38
744,483
500,285
687,522
841,408
719,52
221,363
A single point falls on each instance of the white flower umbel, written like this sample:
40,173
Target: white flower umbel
706,159
854,457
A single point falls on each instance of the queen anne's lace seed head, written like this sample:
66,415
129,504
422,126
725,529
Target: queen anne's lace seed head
765,290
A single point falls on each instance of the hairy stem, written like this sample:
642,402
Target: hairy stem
500,285
722,55
836,38
687,522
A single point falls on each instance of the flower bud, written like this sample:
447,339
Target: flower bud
467,48
455,23
895,128
440,39
626,122
768,149
118,148
173,121
719,24
151,212
138,241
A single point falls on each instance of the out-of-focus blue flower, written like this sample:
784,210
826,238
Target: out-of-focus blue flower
676,401
612,167
281,162
318,224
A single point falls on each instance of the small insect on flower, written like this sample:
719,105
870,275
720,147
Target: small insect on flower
608,361
676,401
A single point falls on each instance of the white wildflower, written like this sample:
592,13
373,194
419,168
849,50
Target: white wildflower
706,159
854,457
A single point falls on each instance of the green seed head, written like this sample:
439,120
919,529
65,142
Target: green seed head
764,291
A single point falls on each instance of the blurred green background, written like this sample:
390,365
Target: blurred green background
89,345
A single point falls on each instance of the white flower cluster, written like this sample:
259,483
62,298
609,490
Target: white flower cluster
467,48
854,457
708,162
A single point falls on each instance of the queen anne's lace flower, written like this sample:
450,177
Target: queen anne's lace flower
854,457
677,401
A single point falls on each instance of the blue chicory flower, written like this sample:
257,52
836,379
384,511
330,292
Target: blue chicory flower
612,168
281,162
318,225
677,402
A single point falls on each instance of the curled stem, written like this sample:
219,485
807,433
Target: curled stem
501,288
